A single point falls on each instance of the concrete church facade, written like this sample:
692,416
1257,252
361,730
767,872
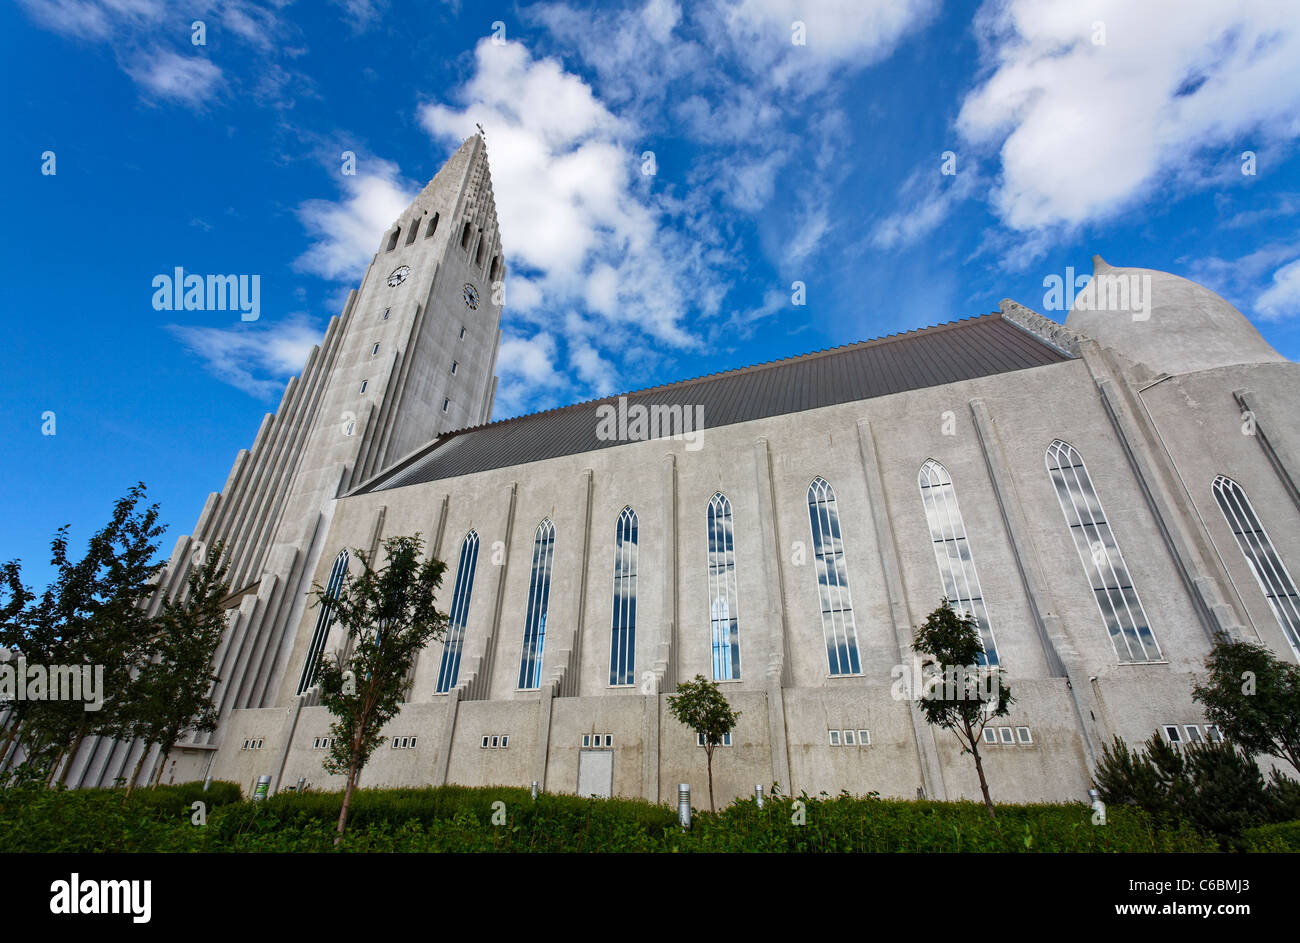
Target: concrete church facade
1105,496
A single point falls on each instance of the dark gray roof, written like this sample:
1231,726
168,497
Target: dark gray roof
933,356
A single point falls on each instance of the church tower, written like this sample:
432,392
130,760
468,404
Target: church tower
411,356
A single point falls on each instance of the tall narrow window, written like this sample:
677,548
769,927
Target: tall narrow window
478,253
454,365
324,619
1274,579
723,609
433,226
464,237
539,597
415,230
1102,561
459,614
364,384
392,242
952,552
622,649
832,579
374,350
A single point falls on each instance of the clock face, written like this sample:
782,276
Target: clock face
398,276
471,297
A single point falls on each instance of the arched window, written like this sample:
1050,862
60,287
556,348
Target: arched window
952,552
539,597
832,580
324,619
464,236
392,242
478,253
449,670
415,231
724,616
1274,579
1102,561
495,268
432,227
622,647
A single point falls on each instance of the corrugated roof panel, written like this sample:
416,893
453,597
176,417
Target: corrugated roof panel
947,353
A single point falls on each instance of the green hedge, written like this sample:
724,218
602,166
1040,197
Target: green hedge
36,819
460,819
1282,836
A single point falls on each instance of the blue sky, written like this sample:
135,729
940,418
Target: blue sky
1076,128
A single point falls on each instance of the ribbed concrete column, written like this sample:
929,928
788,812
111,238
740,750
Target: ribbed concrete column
1213,613
480,686
543,742
570,674
1280,455
445,735
669,570
927,752
1062,660
650,753
777,629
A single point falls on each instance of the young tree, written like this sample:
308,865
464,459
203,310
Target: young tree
1254,698
172,692
93,614
968,694
16,598
387,616
699,705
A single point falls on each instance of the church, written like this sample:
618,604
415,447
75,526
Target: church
1103,496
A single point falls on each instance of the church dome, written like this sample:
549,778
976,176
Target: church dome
1164,321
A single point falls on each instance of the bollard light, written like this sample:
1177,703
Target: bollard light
263,787
534,789
758,795
684,804
302,781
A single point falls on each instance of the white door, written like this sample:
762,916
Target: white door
596,773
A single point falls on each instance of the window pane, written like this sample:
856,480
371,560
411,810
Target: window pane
723,602
952,552
449,670
1121,610
539,594
831,570
622,655
1257,547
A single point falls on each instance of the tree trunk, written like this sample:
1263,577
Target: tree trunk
347,800
72,756
162,764
979,768
709,757
135,773
14,724
54,769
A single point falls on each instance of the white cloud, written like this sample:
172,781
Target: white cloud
1084,130
251,357
346,233
140,32
526,366
189,80
1281,299
573,213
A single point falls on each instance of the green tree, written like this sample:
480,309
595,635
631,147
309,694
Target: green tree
1254,698
1216,786
700,706
15,599
962,695
172,692
387,616
93,614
